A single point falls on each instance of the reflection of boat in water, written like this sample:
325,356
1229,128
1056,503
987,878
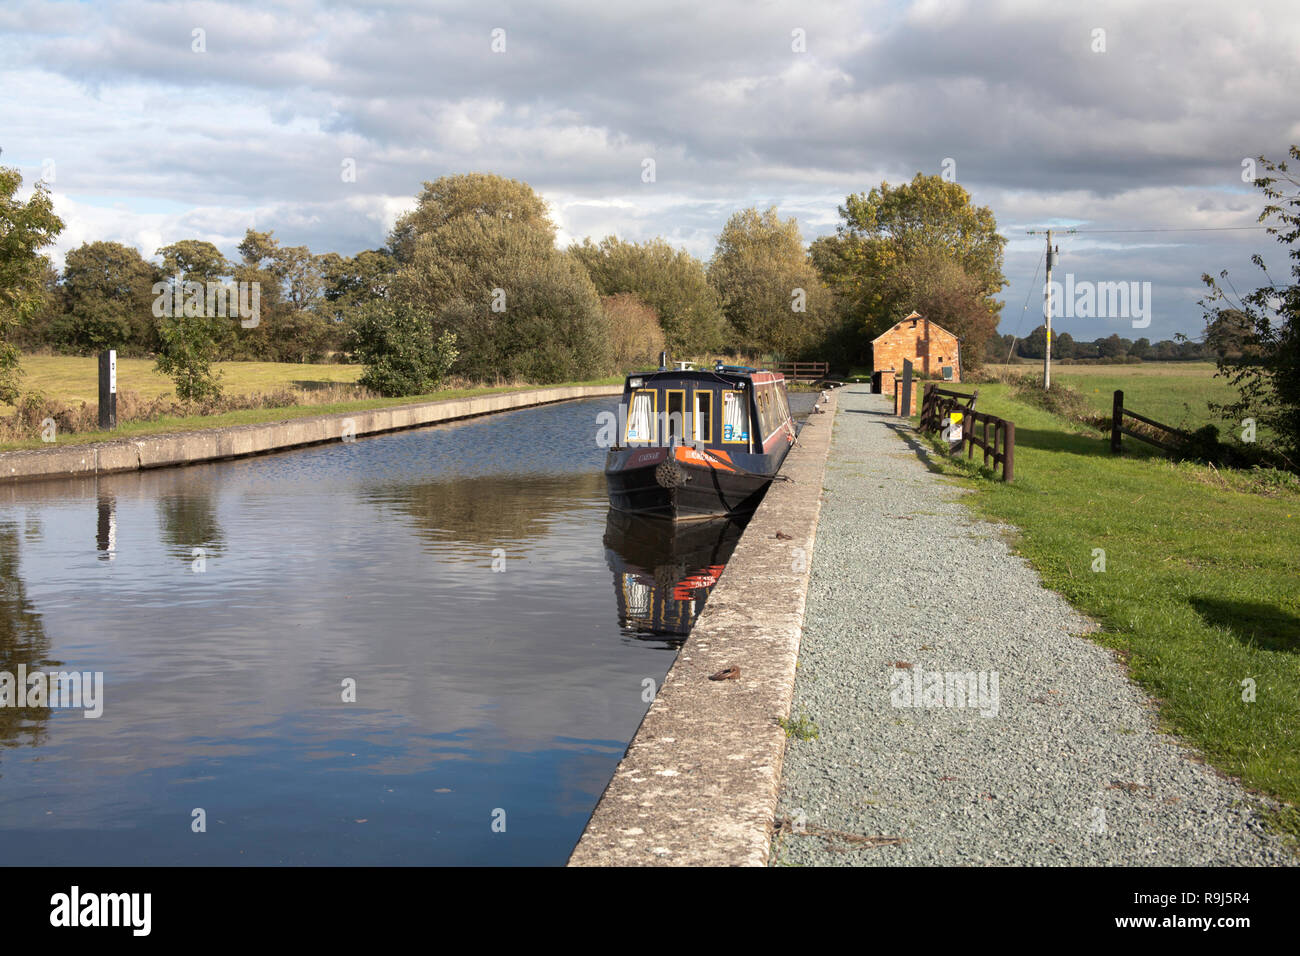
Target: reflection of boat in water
663,572
698,443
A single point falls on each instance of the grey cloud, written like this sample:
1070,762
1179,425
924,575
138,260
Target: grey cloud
1151,132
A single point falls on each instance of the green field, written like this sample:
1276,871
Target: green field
1199,593
73,379
1175,393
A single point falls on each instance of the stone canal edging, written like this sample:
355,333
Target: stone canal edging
214,444
699,783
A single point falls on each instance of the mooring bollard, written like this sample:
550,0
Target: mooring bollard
108,389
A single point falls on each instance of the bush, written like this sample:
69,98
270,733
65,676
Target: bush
1060,400
635,336
398,346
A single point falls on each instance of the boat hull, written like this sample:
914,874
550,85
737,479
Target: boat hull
683,484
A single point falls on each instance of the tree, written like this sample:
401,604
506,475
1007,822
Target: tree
1228,333
1164,351
771,295
886,237
1063,346
669,280
636,338
1141,348
188,348
194,260
1267,373
293,325
402,355
1034,345
940,289
108,299
478,256
36,331
25,228
350,283
470,196
1086,350
997,349
1111,348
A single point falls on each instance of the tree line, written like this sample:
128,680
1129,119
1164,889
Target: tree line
1111,349
471,283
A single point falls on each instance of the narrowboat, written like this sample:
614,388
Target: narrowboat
698,443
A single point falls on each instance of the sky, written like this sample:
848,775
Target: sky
155,122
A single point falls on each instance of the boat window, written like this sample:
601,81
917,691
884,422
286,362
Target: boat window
764,396
641,417
704,416
735,418
676,424
783,406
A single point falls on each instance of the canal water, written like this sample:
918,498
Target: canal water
429,647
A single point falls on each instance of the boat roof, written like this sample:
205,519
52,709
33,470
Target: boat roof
726,374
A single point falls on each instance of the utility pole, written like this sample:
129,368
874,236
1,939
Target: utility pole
1047,351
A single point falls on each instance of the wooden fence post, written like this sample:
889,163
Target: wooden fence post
1009,452
1117,423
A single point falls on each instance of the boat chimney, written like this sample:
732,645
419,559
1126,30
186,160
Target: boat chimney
663,360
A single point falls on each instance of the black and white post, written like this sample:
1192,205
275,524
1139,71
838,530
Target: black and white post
108,389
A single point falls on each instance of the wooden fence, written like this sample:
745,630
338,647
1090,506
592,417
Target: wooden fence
810,371
938,402
1000,451
1118,429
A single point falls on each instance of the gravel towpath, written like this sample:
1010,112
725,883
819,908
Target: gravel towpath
1057,762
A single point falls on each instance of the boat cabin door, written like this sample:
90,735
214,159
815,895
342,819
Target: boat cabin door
676,408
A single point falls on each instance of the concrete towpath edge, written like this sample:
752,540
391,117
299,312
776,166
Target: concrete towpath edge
699,783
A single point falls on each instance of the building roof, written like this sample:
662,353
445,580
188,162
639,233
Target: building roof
914,315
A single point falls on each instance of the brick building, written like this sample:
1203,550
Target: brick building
934,351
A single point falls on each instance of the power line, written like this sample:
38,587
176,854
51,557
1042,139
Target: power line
1094,232
1016,334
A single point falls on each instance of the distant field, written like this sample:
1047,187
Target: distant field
73,379
1176,393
